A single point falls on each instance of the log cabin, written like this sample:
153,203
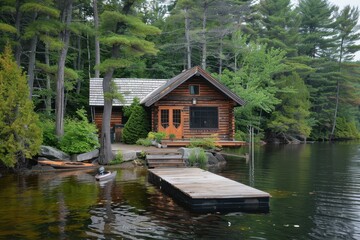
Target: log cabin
190,105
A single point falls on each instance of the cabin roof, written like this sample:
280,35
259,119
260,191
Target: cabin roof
176,81
129,87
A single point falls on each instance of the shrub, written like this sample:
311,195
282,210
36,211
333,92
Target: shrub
48,129
198,157
117,159
144,142
79,135
206,143
137,126
240,136
172,136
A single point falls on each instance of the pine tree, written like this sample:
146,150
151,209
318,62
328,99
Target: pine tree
137,126
20,136
125,36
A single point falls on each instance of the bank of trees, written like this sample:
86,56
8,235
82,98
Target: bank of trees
292,64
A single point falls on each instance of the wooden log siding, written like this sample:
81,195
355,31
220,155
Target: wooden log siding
116,117
208,96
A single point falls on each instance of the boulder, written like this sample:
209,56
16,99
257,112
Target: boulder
85,156
129,155
212,160
53,153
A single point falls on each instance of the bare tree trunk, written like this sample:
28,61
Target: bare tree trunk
221,56
17,37
187,37
48,81
97,43
78,85
204,42
337,93
88,55
60,94
31,66
106,155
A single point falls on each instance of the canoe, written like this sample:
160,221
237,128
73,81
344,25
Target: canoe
66,164
105,176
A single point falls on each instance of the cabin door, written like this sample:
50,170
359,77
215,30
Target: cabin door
171,121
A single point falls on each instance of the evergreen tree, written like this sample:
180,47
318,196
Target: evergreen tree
125,36
137,126
316,27
279,25
20,136
291,117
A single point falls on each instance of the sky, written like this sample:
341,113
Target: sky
341,4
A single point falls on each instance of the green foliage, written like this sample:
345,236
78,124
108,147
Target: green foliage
240,136
206,143
157,136
20,136
144,142
291,117
114,93
79,135
48,130
172,136
137,126
346,129
119,158
198,157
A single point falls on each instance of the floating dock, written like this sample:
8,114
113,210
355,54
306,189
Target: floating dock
203,191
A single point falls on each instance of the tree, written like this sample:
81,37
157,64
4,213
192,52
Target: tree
316,27
66,17
255,83
137,126
125,35
345,24
279,25
291,117
20,136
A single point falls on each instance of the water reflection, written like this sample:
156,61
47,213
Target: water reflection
315,194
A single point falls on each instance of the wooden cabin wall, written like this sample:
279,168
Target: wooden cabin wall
209,96
116,116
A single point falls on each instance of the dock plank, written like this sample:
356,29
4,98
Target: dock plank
194,184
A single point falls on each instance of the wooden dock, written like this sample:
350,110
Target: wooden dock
203,191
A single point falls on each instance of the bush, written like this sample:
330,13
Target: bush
144,142
198,157
206,143
240,136
48,129
137,126
117,159
79,135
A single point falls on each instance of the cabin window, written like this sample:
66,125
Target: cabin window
204,117
176,117
194,89
164,118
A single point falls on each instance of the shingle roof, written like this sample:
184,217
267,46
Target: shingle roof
176,81
129,87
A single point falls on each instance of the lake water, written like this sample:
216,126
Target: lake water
315,192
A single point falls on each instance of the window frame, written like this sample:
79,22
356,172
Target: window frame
193,86
198,123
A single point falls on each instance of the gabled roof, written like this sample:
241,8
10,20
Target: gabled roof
176,81
129,87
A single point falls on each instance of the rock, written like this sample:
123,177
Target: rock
129,155
212,160
85,156
220,157
53,153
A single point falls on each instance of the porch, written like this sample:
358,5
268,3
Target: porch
221,143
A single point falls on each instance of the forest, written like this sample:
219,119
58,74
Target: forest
293,64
